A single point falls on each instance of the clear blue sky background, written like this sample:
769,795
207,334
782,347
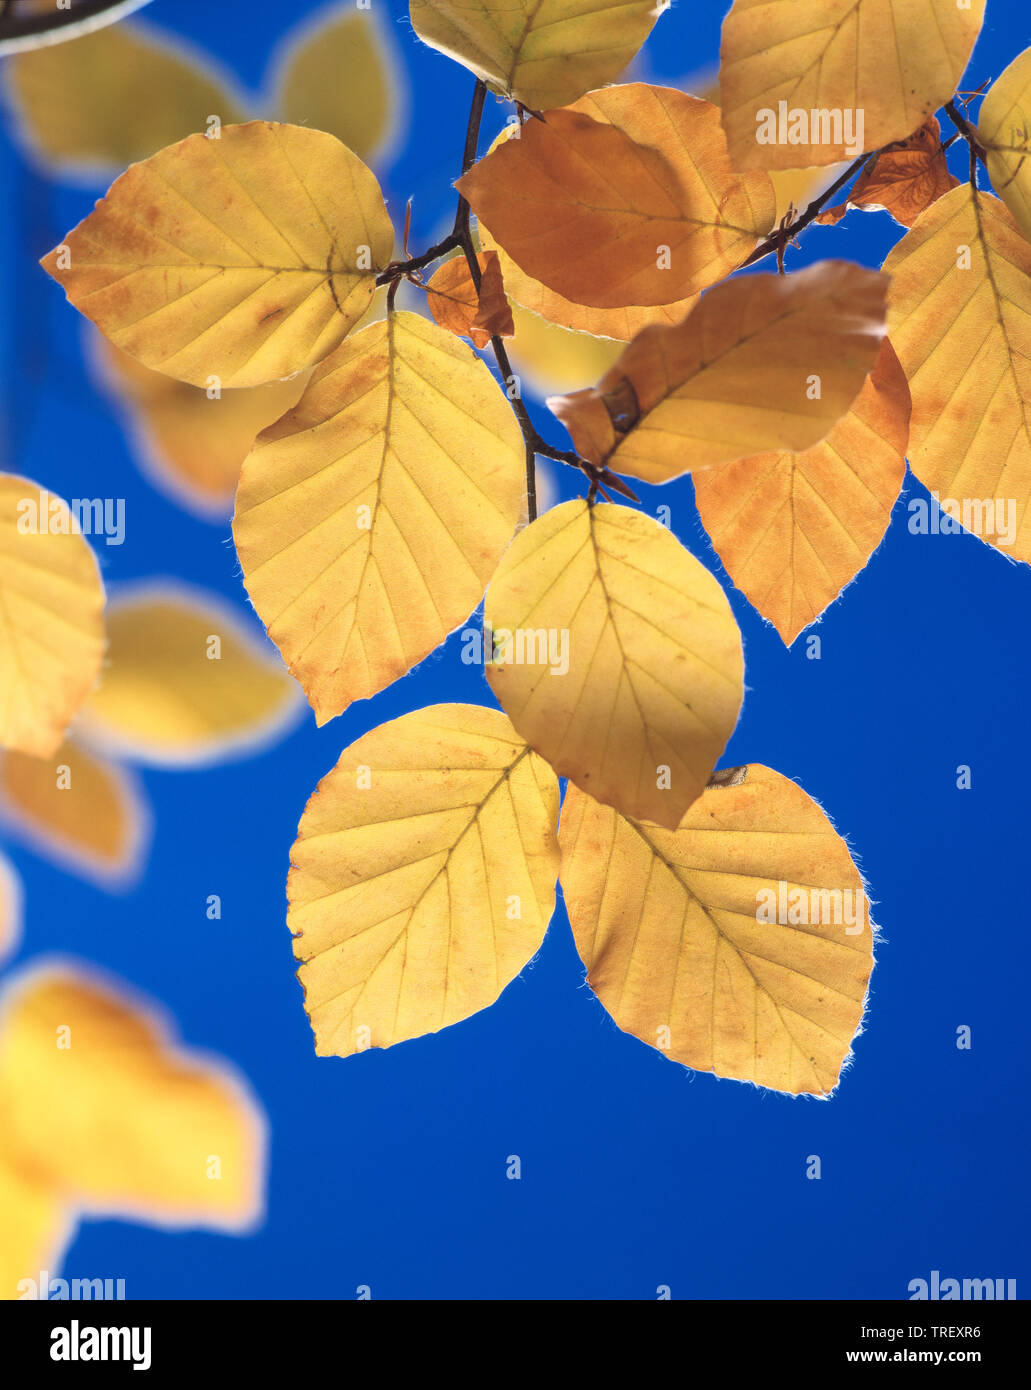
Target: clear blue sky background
388,1169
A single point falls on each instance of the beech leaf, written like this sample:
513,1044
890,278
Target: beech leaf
904,179
1004,127
468,312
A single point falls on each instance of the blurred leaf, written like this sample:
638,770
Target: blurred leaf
186,682
78,810
107,99
668,924
250,257
51,617
10,908
370,518
616,656
341,73
1004,125
36,1228
419,892
553,359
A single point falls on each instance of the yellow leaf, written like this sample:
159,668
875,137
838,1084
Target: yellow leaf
616,656
103,1109
10,908
959,310
51,617
242,259
627,198
78,810
682,936
813,84
423,876
541,52
370,518
340,73
794,529
36,1230
549,358
1004,126
191,443
767,361
186,682
113,97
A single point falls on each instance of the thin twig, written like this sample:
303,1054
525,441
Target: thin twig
777,240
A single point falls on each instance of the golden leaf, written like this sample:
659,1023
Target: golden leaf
101,1109
51,617
794,528
241,259
468,312
10,908
37,1230
616,656
78,810
370,518
1004,127
191,443
764,362
113,97
739,943
959,310
904,179
541,52
340,73
423,876
187,682
628,198
549,358
812,84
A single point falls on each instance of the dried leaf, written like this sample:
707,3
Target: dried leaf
423,876
370,518
457,305
235,261
628,198
615,655
1004,127
687,943
905,179
794,528
764,362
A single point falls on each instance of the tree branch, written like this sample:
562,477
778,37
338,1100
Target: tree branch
777,240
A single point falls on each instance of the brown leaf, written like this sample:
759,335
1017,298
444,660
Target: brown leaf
904,179
457,305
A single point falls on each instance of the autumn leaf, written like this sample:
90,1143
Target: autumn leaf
794,528
764,362
103,1111
37,1229
812,84
739,943
186,682
541,52
51,617
192,442
242,259
113,97
370,518
10,908
548,358
340,74
959,307
457,304
423,876
904,179
615,655
81,811
1004,128
627,198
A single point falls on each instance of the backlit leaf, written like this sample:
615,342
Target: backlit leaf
112,97
1004,126
51,617
36,1230
101,1108
340,73
669,926
456,303
242,259
370,518
423,876
960,321
905,179
794,529
542,52
79,810
767,361
549,358
616,656
626,198
815,83
186,681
